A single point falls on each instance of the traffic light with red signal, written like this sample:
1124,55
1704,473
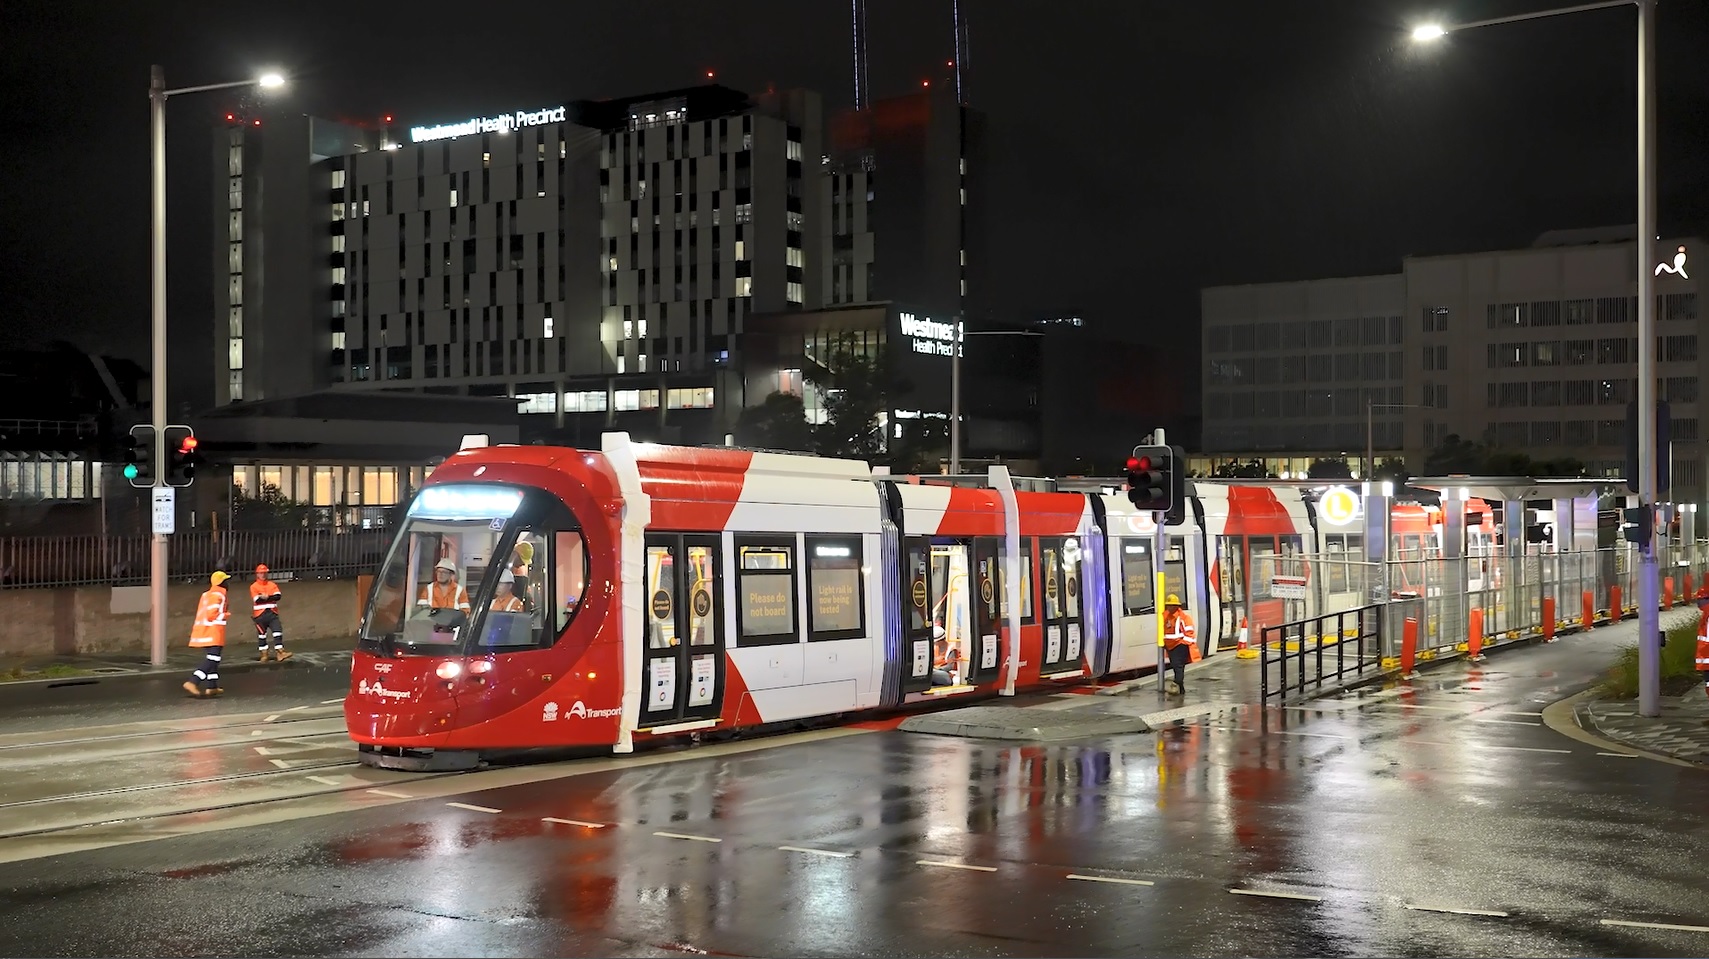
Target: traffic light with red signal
182,457
1154,481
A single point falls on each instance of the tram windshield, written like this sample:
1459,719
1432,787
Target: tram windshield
468,548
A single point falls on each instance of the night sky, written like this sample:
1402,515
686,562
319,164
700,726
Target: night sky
1143,148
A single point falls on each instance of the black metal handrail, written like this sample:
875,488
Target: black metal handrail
1354,652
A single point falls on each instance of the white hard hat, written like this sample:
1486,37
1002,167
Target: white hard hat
446,565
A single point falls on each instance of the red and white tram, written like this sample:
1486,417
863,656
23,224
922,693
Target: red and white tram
550,597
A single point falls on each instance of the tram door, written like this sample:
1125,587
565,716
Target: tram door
987,611
684,659
1059,575
941,626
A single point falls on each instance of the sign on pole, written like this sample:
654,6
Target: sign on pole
165,510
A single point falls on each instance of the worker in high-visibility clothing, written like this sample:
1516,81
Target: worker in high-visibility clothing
1179,638
208,635
264,595
1703,647
444,592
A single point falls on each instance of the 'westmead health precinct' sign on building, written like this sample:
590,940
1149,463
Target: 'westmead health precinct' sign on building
503,123
928,336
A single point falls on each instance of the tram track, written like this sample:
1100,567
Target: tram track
307,767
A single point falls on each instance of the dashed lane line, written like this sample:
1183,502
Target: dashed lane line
331,702
1276,895
575,822
683,835
390,794
295,708
271,718
471,808
1674,927
1457,911
1620,755
954,865
1115,879
833,853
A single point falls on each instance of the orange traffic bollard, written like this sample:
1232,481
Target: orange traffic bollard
1548,619
1408,647
1613,604
1475,635
1667,592
1589,612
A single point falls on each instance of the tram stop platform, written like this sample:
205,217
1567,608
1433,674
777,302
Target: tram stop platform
1219,684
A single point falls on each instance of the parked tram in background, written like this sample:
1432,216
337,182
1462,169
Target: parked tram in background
549,597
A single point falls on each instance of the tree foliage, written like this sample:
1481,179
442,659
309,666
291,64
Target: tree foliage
1329,469
1456,454
269,508
779,423
856,391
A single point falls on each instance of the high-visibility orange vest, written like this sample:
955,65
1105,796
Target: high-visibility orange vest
449,596
1703,645
209,628
265,595
1178,630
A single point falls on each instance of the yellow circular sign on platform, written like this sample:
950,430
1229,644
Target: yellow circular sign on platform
1338,506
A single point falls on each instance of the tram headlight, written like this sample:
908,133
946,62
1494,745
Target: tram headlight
449,670
480,666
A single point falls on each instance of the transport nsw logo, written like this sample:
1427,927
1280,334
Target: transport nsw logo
376,689
577,710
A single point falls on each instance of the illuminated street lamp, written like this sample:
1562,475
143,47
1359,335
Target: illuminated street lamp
157,95
1649,592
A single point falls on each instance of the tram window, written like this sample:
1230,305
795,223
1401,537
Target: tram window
1026,584
569,560
539,588
661,583
834,596
1137,577
702,580
765,586
1049,568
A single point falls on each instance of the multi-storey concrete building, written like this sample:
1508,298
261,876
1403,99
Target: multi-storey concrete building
596,260
1530,351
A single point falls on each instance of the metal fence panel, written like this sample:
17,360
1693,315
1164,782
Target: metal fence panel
46,561
1328,651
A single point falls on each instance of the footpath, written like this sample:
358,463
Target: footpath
1222,683
240,657
1225,683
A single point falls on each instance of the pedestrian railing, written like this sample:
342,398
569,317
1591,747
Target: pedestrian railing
48,561
1310,656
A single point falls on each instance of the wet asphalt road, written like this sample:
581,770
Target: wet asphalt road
1343,814
76,702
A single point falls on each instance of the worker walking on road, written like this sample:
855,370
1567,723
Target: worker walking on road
1703,647
208,635
1180,637
265,594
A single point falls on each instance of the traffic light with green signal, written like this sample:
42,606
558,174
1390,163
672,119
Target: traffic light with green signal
139,456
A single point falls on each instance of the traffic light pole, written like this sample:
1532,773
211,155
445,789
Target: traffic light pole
1649,590
158,553
1160,557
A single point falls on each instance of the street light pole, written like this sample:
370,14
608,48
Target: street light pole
955,388
158,551
158,554
1649,591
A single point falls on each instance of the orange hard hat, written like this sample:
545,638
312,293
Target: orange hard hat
261,570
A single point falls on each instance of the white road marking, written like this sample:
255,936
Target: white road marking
328,780
836,853
1457,911
281,763
954,865
575,822
683,835
1654,925
295,708
1526,749
393,795
263,750
1276,895
271,718
329,702
1620,755
464,805
256,732
1507,722
1130,882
